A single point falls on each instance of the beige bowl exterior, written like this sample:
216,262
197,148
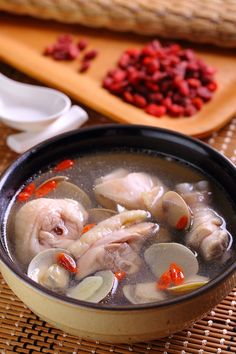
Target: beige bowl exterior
117,326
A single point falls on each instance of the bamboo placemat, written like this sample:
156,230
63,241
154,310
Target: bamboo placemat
23,332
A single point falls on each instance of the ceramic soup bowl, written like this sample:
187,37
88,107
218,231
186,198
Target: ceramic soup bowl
100,321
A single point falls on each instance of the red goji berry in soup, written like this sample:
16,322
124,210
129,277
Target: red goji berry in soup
26,193
67,262
45,188
64,165
120,275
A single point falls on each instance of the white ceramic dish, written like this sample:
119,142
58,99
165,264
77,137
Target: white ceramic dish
71,120
29,107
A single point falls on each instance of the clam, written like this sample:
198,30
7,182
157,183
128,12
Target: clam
55,278
72,191
58,179
190,285
176,211
160,255
97,215
143,293
86,288
94,288
44,270
68,190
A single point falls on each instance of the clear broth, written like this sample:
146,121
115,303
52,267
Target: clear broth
171,172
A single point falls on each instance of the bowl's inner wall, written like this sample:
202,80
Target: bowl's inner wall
109,137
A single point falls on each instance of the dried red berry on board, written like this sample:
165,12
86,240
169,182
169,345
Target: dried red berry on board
65,48
90,55
162,79
84,66
82,44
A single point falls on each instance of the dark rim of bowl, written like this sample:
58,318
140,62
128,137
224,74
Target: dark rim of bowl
108,307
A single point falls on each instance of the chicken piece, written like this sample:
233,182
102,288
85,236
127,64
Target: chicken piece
206,235
194,194
131,190
105,228
117,256
46,223
215,245
117,251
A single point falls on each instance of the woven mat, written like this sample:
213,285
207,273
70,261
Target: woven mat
23,332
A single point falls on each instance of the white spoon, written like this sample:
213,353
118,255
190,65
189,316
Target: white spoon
73,119
28,107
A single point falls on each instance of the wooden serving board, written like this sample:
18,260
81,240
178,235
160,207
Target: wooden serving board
22,41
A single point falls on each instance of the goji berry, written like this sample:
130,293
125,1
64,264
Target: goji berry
26,193
155,73
164,281
67,262
212,86
84,66
157,111
176,274
82,44
87,227
182,222
90,55
45,188
197,102
120,275
128,97
64,165
139,100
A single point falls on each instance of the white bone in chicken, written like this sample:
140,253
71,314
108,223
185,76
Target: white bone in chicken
47,223
117,250
105,228
131,190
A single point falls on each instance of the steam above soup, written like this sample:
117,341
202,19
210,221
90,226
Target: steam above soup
120,228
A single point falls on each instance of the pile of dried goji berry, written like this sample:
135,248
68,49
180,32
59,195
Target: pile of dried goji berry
162,80
65,48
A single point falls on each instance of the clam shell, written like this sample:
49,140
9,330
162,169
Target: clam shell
143,293
68,190
186,287
58,179
42,261
72,191
160,255
109,282
55,278
94,288
44,270
86,288
175,208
